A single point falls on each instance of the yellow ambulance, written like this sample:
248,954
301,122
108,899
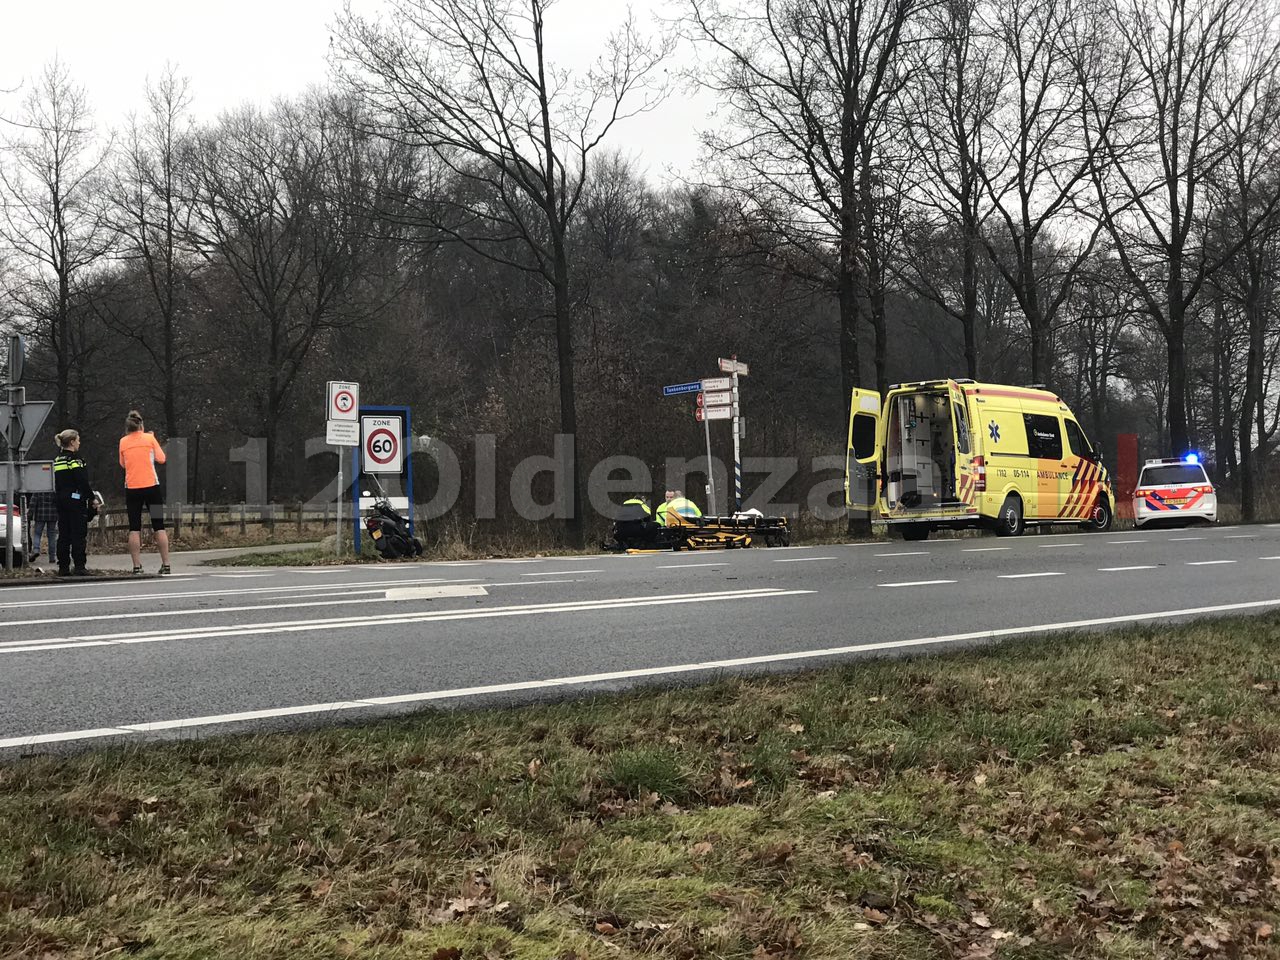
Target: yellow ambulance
950,454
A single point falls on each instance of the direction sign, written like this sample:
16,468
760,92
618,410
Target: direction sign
718,399
32,414
382,444
712,413
733,366
344,401
342,433
675,389
717,383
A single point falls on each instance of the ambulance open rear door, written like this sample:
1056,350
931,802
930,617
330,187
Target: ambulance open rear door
864,449
965,469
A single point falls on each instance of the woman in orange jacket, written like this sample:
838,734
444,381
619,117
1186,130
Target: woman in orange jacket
140,451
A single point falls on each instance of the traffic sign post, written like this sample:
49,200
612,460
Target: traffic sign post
341,430
383,449
15,426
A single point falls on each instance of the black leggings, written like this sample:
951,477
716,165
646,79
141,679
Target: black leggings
149,498
73,529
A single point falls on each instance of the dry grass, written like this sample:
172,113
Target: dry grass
1108,797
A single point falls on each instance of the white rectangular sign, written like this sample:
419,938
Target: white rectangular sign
733,366
715,413
344,401
723,398
717,383
382,444
341,433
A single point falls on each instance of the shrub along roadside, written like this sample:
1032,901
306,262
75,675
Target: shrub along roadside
1110,796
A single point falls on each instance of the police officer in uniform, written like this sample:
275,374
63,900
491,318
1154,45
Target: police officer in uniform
75,497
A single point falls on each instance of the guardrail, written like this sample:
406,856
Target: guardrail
213,519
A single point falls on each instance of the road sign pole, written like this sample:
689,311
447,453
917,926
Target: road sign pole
737,448
10,492
711,473
338,538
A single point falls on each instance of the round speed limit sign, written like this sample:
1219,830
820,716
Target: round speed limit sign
382,445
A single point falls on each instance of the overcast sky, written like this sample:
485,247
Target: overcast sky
254,50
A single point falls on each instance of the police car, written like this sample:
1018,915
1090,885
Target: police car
11,529
1172,492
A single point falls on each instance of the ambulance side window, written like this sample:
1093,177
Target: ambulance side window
1079,442
864,436
1044,436
962,429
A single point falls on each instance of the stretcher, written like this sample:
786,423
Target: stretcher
699,533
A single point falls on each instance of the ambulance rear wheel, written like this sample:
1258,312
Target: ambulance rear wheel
1100,519
1010,522
915,531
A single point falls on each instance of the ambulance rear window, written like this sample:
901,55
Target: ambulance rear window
1172,475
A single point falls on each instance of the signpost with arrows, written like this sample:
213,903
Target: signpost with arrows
718,400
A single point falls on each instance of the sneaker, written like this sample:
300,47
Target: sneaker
137,571
81,572
64,571
164,570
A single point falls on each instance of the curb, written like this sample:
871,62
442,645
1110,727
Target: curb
49,580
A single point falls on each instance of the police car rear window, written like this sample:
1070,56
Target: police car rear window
1172,475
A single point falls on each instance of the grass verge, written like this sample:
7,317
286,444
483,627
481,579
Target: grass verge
1107,797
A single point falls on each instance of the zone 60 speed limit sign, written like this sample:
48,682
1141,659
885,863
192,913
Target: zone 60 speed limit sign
382,444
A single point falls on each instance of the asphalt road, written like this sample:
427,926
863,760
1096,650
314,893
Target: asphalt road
232,650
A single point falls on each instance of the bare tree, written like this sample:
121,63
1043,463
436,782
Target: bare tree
51,215
1158,122
1035,173
151,218
283,212
807,83
470,81
948,113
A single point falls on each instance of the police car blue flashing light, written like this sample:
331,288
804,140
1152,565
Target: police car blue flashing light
1191,458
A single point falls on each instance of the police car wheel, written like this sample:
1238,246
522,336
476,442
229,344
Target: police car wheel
1010,522
1100,519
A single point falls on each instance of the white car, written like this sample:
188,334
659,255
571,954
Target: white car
1174,492
11,528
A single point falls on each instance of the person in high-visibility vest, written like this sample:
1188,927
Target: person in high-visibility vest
629,527
664,507
682,505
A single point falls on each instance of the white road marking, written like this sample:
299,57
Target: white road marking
231,631
241,576
686,566
1123,569
916,583
1143,540
437,592
1183,539
1240,536
984,549
1055,546
903,553
558,573
119,578
1027,576
1208,563
802,559
358,586
464,693
1269,558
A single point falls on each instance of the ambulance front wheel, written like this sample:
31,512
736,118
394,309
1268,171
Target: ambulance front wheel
1010,522
915,531
1100,519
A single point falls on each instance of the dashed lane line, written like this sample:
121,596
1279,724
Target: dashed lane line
917,583
1030,576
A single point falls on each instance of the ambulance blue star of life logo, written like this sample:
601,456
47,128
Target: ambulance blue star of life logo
994,429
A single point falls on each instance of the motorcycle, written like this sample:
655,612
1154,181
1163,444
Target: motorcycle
388,529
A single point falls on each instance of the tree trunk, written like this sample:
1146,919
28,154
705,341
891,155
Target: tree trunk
969,292
575,529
